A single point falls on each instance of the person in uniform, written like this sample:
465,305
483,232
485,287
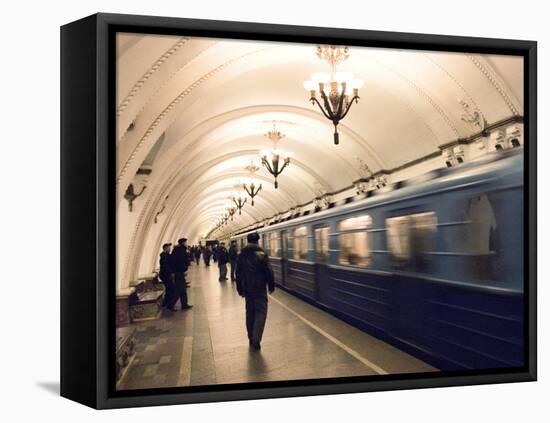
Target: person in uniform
166,275
254,277
223,258
180,263
233,254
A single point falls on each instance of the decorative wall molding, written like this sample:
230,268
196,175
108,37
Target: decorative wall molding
159,62
166,111
493,80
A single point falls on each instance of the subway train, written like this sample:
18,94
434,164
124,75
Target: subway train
432,265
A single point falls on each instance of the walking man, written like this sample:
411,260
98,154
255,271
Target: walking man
166,275
206,255
180,264
233,254
254,276
197,254
223,258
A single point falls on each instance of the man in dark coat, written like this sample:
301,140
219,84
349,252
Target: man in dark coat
166,275
233,253
215,253
223,258
180,263
206,255
254,277
197,253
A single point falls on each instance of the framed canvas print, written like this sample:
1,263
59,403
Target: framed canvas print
258,211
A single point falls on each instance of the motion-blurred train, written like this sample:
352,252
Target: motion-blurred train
433,265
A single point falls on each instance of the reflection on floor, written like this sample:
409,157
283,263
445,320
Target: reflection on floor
208,344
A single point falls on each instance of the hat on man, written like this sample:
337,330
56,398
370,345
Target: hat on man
166,245
181,240
253,237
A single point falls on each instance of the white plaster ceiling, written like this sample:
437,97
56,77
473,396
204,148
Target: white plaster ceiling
215,99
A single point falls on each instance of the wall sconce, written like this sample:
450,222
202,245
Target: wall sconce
130,196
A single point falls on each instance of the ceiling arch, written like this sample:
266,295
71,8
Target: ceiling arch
212,100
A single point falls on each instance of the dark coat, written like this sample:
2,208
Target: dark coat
223,256
254,273
165,266
233,253
179,259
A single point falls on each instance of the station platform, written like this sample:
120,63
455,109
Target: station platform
208,344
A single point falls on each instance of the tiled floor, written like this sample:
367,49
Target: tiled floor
208,344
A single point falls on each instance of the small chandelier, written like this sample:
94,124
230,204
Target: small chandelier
338,90
239,200
272,159
231,211
252,186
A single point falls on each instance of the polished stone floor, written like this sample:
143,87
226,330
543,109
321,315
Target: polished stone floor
208,344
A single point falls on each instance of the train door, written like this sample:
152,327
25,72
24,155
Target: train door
321,240
284,256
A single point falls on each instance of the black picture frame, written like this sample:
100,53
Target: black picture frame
88,208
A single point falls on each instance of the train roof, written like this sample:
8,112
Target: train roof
474,172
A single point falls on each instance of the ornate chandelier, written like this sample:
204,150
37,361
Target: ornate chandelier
239,200
338,90
275,160
250,185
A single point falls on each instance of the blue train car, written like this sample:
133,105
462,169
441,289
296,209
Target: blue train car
433,265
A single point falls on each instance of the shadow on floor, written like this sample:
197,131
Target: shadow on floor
51,387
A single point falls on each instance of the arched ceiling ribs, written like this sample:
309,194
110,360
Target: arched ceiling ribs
173,214
218,198
421,92
408,108
277,198
160,73
181,227
169,106
200,132
182,177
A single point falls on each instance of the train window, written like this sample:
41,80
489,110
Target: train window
480,235
274,244
300,243
409,238
321,244
354,241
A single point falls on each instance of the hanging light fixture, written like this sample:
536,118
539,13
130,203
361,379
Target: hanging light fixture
231,211
239,200
251,185
338,90
272,159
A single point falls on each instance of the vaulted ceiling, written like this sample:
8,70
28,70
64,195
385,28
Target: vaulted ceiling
195,111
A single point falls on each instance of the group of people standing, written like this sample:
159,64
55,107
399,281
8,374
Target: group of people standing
250,269
173,265
223,257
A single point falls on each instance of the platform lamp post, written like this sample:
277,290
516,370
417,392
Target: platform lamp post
338,90
275,160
